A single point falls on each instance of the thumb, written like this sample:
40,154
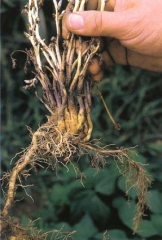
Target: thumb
99,23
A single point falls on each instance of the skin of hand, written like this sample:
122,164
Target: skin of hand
131,31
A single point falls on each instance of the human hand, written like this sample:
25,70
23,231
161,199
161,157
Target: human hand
131,30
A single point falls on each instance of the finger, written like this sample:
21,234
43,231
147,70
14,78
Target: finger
107,59
117,52
123,56
145,62
101,23
90,5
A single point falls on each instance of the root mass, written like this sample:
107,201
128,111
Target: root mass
66,93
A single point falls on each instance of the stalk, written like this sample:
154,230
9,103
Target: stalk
66,93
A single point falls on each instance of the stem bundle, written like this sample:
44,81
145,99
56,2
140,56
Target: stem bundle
66,85
66,93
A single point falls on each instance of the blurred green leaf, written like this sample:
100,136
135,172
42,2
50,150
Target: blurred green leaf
66,174
126,211
157,146
147,229
24,220
99,236
106,180
157,222
9,3
117,234
59,194
85,228
155,201
80,200
98,209
63,227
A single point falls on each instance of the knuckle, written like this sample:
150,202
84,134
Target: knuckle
98,21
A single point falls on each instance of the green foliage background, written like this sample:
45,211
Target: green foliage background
134,98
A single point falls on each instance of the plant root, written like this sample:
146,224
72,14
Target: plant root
134,172
49,145
14,231
136,176
66,93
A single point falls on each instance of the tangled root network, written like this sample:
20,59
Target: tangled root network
50,143
63,75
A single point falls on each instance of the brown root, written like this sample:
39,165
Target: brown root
66,93
136,176
14,231
51,143
51,146
16,171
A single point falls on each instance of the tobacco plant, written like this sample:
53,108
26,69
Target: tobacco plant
61,69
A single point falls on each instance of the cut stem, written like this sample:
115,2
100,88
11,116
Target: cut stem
116,125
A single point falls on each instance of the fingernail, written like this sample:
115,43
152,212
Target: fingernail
76,21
